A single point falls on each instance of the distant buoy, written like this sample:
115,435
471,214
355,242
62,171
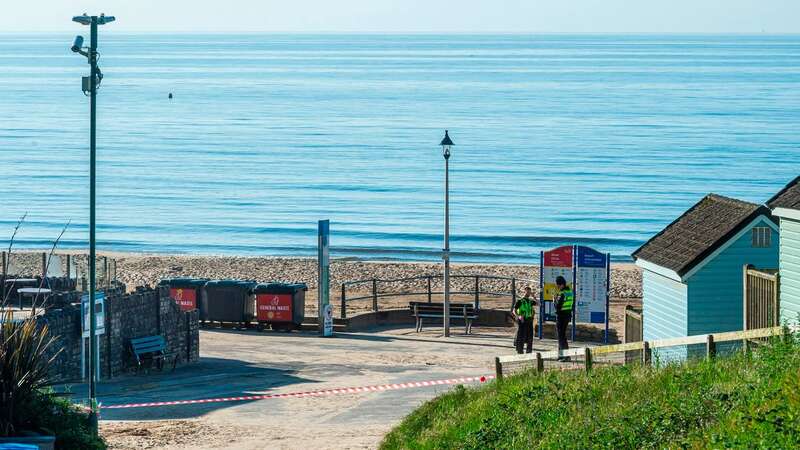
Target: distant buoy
170,95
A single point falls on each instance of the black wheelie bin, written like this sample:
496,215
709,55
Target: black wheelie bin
229,301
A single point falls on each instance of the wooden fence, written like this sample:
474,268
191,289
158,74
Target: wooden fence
646,348
761,298
634,332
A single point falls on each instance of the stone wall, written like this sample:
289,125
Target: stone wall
146,312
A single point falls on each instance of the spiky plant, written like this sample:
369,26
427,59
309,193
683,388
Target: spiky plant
24,364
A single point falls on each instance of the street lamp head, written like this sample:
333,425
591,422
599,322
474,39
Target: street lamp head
83,20
87,20
446,144
104,19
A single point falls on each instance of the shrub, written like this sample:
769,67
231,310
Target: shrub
67,422
23,370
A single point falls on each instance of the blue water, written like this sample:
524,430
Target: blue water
593,139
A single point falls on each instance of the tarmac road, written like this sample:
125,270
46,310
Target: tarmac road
235,363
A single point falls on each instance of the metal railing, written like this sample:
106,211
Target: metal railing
591,355
476,291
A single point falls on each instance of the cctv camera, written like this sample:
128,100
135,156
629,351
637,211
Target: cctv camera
78,44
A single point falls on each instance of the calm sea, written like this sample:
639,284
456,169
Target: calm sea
593,139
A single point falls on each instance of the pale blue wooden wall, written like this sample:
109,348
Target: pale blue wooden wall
664,306
664,313
790,270
716,290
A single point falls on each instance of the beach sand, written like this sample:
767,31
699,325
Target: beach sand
148,269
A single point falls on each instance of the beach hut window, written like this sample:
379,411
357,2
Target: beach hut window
762,237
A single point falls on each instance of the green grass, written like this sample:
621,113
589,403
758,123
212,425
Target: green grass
741,401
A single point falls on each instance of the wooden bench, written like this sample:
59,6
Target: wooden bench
461,311
152,349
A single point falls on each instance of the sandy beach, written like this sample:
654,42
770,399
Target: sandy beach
147,270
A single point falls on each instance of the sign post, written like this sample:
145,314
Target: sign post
323,285
590,272
591,287
99,328
552,264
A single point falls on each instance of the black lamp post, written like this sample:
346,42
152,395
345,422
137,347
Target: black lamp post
446,144
90,85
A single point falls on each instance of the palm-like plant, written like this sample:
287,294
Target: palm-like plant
25,357
24,364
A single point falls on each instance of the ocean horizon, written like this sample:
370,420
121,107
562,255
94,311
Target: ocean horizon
590,139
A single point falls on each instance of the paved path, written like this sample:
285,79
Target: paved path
235,363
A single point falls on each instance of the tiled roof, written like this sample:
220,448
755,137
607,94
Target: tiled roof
788,197
698,232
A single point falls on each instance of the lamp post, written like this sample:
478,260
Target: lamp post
446,144
90,86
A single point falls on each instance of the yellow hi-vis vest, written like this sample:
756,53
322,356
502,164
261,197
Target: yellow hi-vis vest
569,297
525,308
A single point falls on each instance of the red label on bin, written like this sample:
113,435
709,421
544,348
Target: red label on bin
185,298
274,307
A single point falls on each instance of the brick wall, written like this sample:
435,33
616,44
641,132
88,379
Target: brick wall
146,312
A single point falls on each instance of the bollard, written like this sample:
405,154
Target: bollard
539,363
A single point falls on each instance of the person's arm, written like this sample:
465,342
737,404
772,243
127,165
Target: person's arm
558,301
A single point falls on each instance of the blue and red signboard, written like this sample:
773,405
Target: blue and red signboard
587,272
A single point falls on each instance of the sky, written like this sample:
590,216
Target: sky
415,16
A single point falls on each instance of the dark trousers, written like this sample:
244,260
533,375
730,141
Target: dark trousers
562,323
524,336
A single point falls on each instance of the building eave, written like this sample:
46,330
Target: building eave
660,270
787,213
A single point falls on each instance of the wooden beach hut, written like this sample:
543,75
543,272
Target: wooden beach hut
692,270
786,206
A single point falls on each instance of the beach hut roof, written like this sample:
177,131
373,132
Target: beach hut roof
701,230
788,197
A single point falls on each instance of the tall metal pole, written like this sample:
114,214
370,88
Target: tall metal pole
446,252
92,277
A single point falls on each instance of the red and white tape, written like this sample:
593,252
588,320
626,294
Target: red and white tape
319,393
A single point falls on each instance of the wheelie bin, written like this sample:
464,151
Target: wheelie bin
229,301
281,306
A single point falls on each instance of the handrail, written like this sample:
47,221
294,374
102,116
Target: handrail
375,295
425,277
710,340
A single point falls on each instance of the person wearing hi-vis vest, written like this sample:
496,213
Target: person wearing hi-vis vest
523,312
564,300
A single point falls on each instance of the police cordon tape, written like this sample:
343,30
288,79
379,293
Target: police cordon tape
318,393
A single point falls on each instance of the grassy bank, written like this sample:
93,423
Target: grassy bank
742,401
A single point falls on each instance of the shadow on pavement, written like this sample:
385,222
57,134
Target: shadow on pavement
209,378
366,336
